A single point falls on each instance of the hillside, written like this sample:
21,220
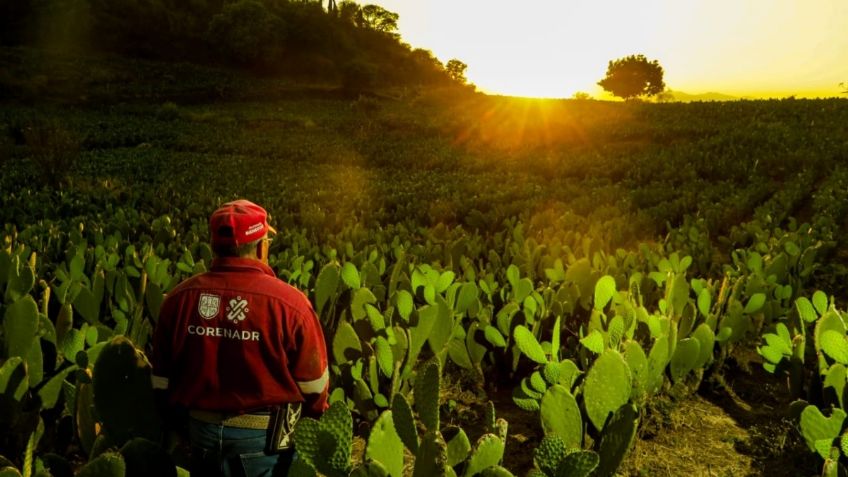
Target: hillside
538,254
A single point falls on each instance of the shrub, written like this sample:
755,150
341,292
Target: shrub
53,151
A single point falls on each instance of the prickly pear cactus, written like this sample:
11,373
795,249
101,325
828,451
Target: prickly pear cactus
549,454
146,458
616,439
607,387
561,416
405,422
578,464
20,323
432,456
819,431
487,452
495,471
528,344
426,392
110,464
458,445
326,444
384,445
123,394
346,344
368,469
685,357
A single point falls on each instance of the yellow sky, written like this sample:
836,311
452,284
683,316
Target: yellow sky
556,47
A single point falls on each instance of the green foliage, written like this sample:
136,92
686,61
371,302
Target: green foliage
427,386
607,387
123,393
326,444
818,431
432,456
109,464
487,452
633,76
385,446
616,439
561,416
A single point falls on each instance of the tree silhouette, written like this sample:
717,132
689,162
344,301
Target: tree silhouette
378,18
633,76
456,70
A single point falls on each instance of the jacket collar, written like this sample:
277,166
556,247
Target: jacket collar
237,264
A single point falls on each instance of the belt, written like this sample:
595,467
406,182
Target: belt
244,421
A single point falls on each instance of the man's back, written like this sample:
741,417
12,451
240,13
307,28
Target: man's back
236,339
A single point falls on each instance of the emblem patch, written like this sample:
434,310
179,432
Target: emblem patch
209,305
237,310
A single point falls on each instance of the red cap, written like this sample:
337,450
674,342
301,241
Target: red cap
239,222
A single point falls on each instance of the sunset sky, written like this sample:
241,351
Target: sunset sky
553,48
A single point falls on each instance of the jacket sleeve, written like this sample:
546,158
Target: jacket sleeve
309,362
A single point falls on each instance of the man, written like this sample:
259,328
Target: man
241,351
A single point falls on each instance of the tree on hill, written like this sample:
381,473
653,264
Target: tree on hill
378,18
456,70
633,76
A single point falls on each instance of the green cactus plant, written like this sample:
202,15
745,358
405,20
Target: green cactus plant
109,464
458,445
818,431
144,458
326,444
385,446
123,394
20,324
487,452
495,471
405,422
426,393
528,344
432,456
549,454
616,439
560,415
607,387
686,355
579,463
346,344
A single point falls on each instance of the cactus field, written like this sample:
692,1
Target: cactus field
506,286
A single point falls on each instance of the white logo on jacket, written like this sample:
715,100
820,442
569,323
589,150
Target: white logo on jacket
209,306
237,310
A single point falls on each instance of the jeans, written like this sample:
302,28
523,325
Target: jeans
234,452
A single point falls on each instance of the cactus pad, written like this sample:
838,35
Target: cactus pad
488,451
685,356
549,454
123,393
110,464
385,446
145,458
20,323
432,456
495,471
458,445
616,439
817,429
706,339
404,422
578,464
607,387
528,344
426,393
346,345
561,416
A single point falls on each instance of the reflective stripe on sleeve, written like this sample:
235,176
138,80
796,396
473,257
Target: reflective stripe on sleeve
316,385
159,382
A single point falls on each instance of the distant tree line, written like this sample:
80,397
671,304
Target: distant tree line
358,45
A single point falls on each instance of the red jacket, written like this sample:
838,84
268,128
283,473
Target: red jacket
236,339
